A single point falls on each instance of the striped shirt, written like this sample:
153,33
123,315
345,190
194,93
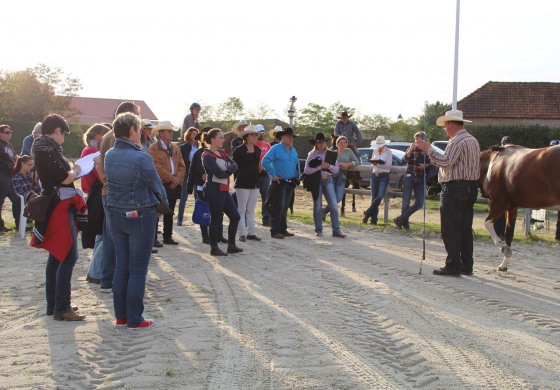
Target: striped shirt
461,160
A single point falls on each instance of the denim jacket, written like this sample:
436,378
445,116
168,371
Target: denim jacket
132,178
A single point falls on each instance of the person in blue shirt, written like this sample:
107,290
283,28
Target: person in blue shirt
282,164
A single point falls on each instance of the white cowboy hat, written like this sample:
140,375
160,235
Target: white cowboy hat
451,115
272,133
235,127
379,142
248,130
164,125
259,127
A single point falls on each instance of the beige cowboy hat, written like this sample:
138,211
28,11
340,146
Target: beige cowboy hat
164,125
235,127
451,115
272,133
379,142
248,130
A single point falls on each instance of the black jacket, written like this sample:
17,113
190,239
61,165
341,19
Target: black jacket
247,167
196,170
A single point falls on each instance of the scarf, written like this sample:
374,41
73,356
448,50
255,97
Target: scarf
45,144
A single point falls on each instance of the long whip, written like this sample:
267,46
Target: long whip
425,197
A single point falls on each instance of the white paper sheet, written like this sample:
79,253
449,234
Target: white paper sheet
87,164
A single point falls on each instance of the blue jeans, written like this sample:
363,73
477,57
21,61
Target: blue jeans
327,189
59,274
133,247
265,183
416,184
284,191
109,260
183,200
339,182
95,271
221,202
379,186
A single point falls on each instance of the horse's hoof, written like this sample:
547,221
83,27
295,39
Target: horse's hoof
506,251
502,269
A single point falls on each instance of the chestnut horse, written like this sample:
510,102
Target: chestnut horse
515,176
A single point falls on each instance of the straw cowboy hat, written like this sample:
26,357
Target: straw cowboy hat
379,142
235,127
451,115
272,133
163,125
248,130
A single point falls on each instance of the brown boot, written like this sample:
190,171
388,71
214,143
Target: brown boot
69,315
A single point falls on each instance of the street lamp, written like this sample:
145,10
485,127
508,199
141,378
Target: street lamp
292,111
400,118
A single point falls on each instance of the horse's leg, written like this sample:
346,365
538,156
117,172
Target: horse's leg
343,204
354,202
511,216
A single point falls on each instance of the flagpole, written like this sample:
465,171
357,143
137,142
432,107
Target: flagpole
456,66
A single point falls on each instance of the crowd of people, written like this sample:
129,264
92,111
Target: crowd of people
139,169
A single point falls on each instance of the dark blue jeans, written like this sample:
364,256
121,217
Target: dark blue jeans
7,191
263,189
109,260
133,248
59,274
379,186
456,212
412,183
284,191
183,200
221,202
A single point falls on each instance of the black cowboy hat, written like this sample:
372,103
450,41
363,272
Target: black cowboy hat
204,130
286,131
318,137
344,115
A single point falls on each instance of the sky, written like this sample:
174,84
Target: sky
383,57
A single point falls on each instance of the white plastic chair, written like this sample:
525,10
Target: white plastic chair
22,219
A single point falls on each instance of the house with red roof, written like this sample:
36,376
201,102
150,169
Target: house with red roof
88,111
513,104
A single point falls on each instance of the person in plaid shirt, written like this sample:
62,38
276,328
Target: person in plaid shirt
22,179
418,162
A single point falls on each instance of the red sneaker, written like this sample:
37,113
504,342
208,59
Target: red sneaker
144,324
121,322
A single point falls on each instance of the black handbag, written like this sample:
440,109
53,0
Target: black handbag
162,207
37,205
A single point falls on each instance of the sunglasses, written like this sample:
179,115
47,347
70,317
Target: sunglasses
7,132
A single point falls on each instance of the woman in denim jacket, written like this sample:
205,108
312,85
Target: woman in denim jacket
132,182
219,167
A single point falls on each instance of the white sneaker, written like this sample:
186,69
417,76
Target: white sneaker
106,290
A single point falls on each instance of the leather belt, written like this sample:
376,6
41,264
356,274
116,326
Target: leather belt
381,174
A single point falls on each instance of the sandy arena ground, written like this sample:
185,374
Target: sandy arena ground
298,313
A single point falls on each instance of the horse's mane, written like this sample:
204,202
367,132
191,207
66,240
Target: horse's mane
497,148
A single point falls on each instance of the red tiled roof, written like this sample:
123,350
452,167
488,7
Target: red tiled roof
99,110
527,100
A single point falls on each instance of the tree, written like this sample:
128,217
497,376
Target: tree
432,112
373,125
31,94
262,111
231,109
208,113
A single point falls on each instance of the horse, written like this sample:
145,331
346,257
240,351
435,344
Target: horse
228,137
513,176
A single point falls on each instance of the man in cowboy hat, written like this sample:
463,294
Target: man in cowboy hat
191,120
348,129
458,175
171,170
282,163
238,128
273,135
